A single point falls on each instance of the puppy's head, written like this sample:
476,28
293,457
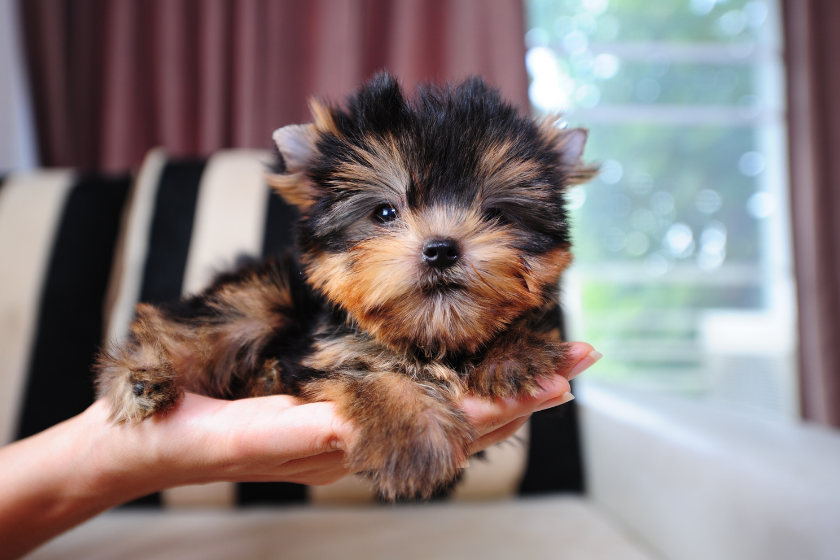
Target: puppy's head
434,222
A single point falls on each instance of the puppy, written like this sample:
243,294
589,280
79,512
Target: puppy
430,244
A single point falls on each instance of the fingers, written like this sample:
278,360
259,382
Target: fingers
488,415
321,469
556,401
260,439
498,435
580,356
304,443
319,423
294,432
250,438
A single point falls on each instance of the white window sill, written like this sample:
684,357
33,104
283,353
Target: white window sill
695,480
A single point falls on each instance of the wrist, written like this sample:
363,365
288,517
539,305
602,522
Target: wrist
126,461
53,481
114,463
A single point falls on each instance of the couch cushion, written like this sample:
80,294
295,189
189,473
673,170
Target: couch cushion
57,234
30,209
559,528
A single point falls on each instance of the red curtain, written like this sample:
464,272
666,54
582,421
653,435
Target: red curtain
113,78
813,68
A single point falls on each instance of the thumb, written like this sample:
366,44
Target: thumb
280,434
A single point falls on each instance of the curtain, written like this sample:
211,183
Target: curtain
813,70
113,78
17,141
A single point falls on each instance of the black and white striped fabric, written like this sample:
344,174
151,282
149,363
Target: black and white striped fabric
57,241
79,253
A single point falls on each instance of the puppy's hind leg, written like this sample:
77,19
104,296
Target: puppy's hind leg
137,377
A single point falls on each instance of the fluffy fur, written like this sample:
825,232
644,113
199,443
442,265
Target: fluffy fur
432,236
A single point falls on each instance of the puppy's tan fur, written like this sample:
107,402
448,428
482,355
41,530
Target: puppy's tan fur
432,237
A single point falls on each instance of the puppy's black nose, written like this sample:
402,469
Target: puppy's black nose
441,253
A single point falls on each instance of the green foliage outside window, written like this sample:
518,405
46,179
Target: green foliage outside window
679,99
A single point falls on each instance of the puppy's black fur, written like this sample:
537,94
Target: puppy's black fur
432,236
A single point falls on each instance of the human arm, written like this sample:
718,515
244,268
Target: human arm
73,471
83,466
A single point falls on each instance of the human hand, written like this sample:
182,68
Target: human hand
69,473
280,438
77,469
204,440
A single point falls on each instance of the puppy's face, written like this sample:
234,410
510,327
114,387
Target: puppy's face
433,223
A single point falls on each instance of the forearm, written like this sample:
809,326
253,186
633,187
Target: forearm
63,476
59,478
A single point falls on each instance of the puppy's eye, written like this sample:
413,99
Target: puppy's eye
384,213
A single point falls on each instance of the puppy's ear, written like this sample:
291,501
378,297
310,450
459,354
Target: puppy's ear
296,145
569,143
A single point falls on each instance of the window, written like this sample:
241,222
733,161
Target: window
683,275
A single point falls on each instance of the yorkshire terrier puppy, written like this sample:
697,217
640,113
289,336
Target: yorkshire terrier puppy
430,244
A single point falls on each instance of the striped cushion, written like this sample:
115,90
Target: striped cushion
183,221
57,236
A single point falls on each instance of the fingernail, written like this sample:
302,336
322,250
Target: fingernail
562,399
585,364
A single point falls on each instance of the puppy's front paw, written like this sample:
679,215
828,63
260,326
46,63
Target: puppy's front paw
136,392
513,365
404,470
412,447
412,440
